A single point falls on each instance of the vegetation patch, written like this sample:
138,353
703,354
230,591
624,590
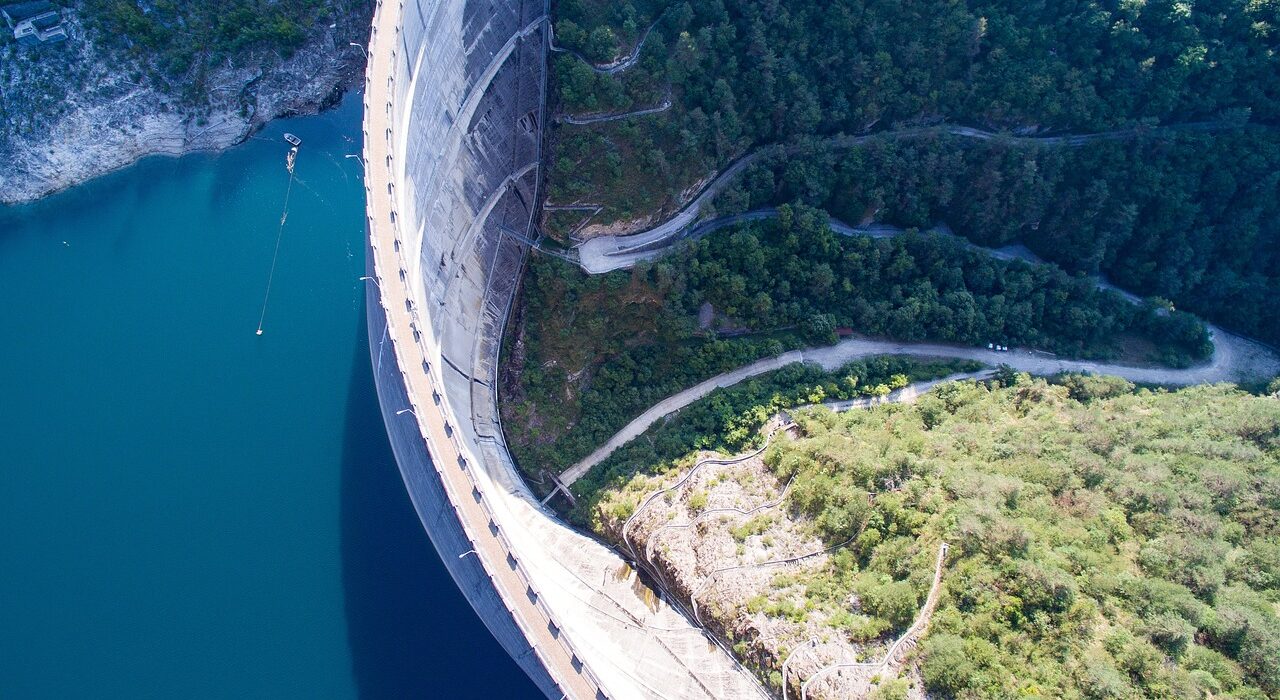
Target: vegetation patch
178,44
603,30
1105,541
1187,217
730,420
646,168
588,354
585,355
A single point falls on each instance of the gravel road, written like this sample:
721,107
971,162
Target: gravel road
1234,358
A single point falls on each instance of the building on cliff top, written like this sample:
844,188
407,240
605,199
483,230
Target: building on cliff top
34,23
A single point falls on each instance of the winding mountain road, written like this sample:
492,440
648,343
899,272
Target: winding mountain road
1234,358
608,253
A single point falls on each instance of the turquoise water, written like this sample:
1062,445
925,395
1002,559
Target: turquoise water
188,509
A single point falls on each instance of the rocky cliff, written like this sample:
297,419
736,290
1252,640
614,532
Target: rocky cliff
75,110
724,538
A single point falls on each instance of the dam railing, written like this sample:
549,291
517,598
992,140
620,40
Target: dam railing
447,456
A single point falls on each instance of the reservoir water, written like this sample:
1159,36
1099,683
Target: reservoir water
189,510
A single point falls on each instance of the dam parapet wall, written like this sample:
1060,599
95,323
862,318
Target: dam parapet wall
454,115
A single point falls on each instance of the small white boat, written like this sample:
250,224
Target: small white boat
289,159
293,140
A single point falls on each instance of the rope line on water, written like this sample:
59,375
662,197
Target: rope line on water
276,256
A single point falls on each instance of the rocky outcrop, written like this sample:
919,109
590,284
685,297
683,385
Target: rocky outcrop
721,537
72,112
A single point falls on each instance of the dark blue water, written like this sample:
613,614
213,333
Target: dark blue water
188,509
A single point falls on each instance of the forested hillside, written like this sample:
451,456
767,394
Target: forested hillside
1104,542
747,72
1186,214
178,44
768,69
1190,217
588,354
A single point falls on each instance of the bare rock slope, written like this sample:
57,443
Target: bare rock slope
73,111
721,538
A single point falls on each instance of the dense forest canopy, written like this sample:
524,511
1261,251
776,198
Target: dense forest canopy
771,69
796,271
1186,215
1105,542
1193,218
584,355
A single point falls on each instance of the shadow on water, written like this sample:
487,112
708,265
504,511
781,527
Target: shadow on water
411,632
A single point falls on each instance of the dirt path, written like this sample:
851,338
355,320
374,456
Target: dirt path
616,66
890,666
599,118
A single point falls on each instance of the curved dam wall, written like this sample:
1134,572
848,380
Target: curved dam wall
454,118
470,91
431,501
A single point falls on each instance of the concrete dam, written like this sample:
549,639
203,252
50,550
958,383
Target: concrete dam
454,119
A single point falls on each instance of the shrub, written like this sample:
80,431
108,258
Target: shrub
948,667
894,601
